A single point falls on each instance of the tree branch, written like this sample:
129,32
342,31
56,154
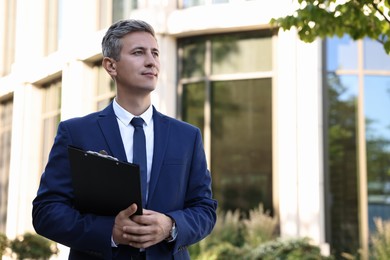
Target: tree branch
379,11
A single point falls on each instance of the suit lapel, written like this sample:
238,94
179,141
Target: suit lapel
161,130
109,126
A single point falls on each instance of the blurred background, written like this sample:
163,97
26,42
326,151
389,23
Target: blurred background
300,128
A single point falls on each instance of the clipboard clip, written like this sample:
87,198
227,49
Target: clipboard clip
102,153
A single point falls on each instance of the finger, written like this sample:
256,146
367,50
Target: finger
130,210
136,230
145,242
145,218
140,241
147,212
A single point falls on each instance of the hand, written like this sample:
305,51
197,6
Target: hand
140,231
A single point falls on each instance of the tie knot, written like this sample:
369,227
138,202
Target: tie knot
137,122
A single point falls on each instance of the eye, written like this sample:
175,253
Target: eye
156,54
138,52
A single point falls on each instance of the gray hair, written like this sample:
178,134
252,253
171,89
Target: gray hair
111,44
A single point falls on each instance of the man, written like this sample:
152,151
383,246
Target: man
179,209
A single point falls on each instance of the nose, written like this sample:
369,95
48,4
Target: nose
151,61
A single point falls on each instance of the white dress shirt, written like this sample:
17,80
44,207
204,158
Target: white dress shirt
127,130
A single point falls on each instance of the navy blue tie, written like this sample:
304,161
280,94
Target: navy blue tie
139,153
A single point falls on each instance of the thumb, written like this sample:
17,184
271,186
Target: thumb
130,210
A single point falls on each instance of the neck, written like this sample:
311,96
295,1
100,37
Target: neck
135,106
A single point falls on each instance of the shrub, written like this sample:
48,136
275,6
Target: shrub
234,235
260,227
228,228
3,244
251,238
222,251
288,249
33,246
381,240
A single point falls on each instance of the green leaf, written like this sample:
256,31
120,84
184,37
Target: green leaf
358,19
387,46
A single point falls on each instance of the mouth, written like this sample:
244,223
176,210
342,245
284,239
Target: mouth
150,74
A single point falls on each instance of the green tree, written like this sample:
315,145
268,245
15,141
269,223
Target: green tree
327,18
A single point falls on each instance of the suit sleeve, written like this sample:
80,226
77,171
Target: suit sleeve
53,214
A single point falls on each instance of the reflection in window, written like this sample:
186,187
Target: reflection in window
341,54
110,11
194,99
377,105
230,54
237,53
350,112
6,108
105,87
121,9
51,113
375,57
343,154
238,112
241,143
193,57
190,3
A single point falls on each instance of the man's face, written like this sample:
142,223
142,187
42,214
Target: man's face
138,67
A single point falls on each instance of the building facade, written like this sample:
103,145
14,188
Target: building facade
300,128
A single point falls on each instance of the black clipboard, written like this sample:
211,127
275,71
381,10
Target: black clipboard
103,185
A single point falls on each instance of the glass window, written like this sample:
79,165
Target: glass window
241,53
376,106
375,57
190,3
6,108
220,1
194,98
241,164
121,9
230,54
51,115
341,54
358,82
241,143
193,57
110,11
343,155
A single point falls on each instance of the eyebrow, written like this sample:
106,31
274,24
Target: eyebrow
144,49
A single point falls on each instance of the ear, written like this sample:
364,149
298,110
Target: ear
109,65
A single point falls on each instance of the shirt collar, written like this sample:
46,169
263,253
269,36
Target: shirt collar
125,117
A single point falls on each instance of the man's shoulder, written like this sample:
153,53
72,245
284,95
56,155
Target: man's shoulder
91,117
84,118
177,122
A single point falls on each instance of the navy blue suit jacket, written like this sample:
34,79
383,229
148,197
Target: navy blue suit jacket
180,186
